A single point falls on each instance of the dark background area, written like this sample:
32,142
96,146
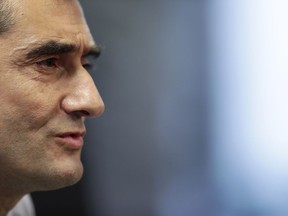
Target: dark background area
67,201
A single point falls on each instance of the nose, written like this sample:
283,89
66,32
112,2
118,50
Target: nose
82,98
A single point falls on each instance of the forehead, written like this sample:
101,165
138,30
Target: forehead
57,8
51,19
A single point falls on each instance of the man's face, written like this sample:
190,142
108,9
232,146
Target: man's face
45,95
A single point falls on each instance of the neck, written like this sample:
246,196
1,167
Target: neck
7,202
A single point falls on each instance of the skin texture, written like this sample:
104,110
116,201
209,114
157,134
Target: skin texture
42,96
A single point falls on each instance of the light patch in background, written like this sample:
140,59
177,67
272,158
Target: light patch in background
249,105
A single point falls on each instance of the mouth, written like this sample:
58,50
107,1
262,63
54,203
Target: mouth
71,140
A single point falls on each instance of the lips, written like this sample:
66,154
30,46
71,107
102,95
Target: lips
71,140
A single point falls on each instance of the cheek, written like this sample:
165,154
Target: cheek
21,120
22,124
16,140
26,111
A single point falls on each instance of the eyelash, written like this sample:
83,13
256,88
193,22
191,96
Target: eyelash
87,66
52,63
49,63
89,63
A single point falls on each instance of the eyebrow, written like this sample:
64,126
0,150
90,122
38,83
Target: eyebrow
94,51
54,47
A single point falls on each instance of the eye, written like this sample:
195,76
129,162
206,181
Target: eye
88,66
88,62
50,62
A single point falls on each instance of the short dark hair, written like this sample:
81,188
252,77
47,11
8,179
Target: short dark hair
7,17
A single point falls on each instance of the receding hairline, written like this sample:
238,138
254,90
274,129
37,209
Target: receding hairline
10,11
8,15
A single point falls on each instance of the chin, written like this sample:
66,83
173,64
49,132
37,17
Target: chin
68,178
59,177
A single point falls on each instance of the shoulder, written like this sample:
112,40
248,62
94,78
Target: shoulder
24,207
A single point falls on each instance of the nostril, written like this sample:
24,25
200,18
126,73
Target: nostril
84,113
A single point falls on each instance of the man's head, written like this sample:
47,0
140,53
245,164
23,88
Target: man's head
45,93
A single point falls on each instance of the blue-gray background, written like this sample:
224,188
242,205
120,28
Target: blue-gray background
196,114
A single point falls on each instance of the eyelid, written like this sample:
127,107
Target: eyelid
55,68
46,60
40,59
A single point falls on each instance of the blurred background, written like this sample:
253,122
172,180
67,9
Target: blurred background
196,119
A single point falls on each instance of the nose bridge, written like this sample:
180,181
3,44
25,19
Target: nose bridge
84,97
